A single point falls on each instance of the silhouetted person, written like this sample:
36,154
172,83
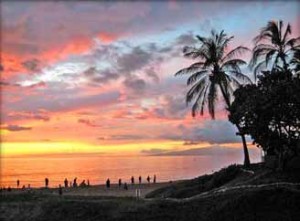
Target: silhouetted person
46,182
154,179
120,183
125,186
23,187
66,183
9,189
132,180
107,183
88,182
75,182
148,179
60,190
18,183
140,179
82,184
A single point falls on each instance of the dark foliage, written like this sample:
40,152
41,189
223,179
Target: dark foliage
270,113
274,48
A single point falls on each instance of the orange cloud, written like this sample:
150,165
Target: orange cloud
107,37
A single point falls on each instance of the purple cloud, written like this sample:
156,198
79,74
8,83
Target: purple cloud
15,128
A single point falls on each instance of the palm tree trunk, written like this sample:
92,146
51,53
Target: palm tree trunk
245,148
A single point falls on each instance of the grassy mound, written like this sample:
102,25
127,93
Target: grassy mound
231,176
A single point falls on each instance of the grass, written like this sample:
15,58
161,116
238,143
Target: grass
231,176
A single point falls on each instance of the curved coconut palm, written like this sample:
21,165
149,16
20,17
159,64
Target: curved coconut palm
273,47
214,70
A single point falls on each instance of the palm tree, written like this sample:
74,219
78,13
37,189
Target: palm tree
215,71
273,47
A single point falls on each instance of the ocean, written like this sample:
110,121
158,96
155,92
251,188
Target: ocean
97,168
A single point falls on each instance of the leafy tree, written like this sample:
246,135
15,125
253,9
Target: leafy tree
273,46
214,71
270,113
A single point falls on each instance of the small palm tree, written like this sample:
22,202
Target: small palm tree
215,71
273,47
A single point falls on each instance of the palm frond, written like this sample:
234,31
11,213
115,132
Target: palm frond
194,90
269,56
232,66
288,31
235,52
257,55
201,96
293,42
212,96
193,52
233,80
196,76
259,38
191,69
258,68
260,47
203,40
240,76
203,101
233,62
271,31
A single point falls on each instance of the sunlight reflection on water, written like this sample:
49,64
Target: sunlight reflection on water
97,168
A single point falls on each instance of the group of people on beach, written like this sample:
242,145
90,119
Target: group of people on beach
125,185
68,184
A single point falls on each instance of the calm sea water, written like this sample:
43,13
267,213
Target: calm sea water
97,168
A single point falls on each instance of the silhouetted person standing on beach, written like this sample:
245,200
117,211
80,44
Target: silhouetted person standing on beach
154,179
125,186
120,183
107,183
88,182
140,179
18,183
82,184
46,182
60,190
75,182
132,180
66,183
148,179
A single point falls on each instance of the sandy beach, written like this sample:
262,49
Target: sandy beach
96,190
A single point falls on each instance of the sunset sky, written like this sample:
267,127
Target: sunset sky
99,76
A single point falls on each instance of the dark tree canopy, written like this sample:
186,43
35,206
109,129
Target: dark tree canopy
270,112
